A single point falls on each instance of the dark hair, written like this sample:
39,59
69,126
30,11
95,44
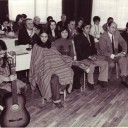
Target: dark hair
3,47
49,17
5,19
27,20
109,18
109,24
96,18
49,29
85,24
24,16
79,19
71,20
63,29
127,25
39,42
18,17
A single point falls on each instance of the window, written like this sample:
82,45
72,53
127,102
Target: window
41,8
111,8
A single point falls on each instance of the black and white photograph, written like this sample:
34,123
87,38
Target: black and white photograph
63,63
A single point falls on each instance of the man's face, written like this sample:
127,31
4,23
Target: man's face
71,25
87,29
5,24
112,28
29,24
63,18
37,21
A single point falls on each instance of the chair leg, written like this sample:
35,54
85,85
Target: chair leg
117,71
82,88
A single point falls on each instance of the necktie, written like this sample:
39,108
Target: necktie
113,49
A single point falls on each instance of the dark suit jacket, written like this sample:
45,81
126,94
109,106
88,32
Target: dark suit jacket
24,38
83,47
105,45
60,24
8,28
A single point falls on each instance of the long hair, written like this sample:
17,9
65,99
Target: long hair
3,47
49,31
41,44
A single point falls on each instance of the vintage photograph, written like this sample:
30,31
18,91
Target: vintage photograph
63,63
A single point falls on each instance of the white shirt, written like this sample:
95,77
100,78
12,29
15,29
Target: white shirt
29,32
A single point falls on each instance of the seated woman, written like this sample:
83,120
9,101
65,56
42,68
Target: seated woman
49,70
5,28
5,77
65,47
18,24
52,30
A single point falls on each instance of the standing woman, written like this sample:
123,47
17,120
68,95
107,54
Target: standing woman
49,70
52,30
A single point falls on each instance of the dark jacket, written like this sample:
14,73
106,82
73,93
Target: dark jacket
24,38
7,30
83,47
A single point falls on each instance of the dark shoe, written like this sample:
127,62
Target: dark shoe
90,86
102,84
59,105
124,81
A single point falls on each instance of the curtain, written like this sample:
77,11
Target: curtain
111,8
77,8
41,8
3,9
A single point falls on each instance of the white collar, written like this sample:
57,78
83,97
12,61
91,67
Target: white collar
110,35
3,27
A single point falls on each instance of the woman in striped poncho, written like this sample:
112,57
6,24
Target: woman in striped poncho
50,70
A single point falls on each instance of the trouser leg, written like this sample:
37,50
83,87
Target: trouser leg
77,77
103,73
55,85
90,75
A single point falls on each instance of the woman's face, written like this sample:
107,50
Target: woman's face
53,25
20,20
64,34
80,23
44,37
2,53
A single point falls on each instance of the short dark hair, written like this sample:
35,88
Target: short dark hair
85,24
27,20
109,18
5,19
96,18
49,17
63,29
24,16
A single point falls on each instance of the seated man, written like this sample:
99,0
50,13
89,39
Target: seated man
86,52
108,48
28,34
4,28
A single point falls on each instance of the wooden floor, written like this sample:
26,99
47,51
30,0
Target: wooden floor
98,108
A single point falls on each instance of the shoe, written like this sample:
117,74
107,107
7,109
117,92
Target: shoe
59,105
102,84
90,86
123,81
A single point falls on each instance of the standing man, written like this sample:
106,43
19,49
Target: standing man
108,48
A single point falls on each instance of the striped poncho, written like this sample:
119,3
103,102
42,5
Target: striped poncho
46,62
